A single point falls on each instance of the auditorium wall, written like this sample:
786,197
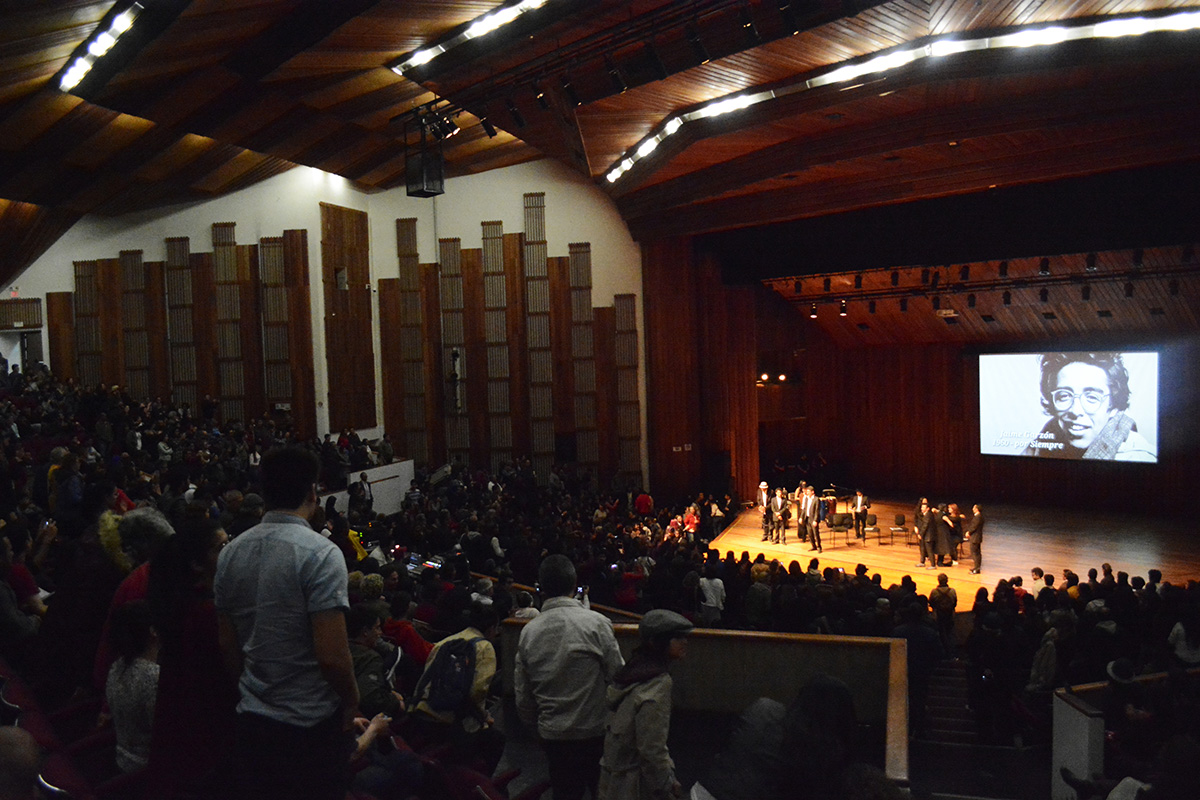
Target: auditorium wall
576,212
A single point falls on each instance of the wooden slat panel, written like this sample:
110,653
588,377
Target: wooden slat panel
204,324
475,353
435,381
60,334
560,345
349,351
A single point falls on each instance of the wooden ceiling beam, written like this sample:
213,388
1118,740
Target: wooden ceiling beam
1138,143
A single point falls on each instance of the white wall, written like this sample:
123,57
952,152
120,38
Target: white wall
576,211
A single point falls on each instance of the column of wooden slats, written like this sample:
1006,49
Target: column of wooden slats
495,305
287,353
157,332
231,368
457,424
537,316
583,356
410,436
87,324
436,390
518,351
179,322
475,348
135,335
21,313
604,333
629,427
204,323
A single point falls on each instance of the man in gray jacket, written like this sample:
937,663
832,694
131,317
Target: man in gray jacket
566,658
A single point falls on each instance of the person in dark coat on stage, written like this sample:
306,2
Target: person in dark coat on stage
943,539
974,534
923,522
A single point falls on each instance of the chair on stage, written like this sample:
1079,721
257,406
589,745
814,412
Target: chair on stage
873,527
840,523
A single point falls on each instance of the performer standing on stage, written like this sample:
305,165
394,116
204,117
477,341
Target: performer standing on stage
925,532
780,512
808,514
763,501
974,534
858,506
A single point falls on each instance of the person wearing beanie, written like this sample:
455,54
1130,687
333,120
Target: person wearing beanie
636,763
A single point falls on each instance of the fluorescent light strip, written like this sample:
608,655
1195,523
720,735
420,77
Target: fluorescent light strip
939,48
99,46
480,27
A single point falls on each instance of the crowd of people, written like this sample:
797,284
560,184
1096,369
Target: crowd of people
137,541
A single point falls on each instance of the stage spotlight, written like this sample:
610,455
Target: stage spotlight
895,278
614,75
1044,267
488,128
925,275
569,90
964,274
748,28
1085,293
1003,268
693,37
812,312
1090,263
655,61
858,281
764,377
1044,294
904,304
789,17
871,307
1129,289
518,120
842,310
1138,256
1008,298
935,280
797,287
828,284
539,94
970,301
782,378
937,302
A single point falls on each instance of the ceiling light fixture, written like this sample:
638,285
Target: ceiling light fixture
539,94
481,26
842,309
753,39
618,83
812,312
488,128
515,113
654,60
789,17
907,54
100,45
569,90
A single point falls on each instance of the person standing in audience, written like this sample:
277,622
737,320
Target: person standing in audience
566,657
281,594
636,763
974,535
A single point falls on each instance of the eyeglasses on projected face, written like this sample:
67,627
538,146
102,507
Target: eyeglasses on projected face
1090,399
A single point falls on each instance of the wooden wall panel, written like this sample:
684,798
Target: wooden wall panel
110,295
349,348
628,358
583,355
538,337
604,332
435,376
204,324
559,271
474,355
391,356
255,397
135,339
180,323
299,332
157,330
518,345
498,345
455,363
413,426
60,334
669,284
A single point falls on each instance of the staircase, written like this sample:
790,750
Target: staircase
949,721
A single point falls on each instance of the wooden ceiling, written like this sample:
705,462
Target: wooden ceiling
1117,296
226,93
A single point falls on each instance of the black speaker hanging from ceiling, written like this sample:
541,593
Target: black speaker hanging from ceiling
424,165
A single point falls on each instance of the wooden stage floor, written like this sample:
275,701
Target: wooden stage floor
1017,538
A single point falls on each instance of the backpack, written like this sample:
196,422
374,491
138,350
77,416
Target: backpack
445,685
